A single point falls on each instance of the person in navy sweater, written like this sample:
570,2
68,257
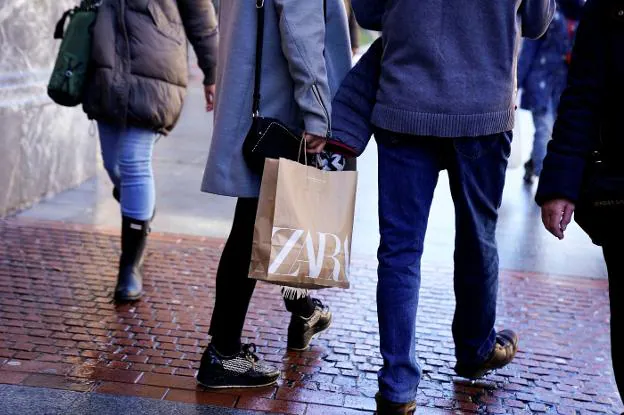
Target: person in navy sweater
438,91
590,116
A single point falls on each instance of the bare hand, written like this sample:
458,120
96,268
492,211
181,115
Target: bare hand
314,143
209,91
556,216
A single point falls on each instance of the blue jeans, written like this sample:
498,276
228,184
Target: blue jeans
544,122
408,174
127,155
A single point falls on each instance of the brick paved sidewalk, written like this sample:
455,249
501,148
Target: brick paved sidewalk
59,329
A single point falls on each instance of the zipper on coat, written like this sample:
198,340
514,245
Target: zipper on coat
125,63
317,94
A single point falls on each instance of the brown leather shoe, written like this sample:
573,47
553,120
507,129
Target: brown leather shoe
503,353
385,407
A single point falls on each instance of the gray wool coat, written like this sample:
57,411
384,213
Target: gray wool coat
306,56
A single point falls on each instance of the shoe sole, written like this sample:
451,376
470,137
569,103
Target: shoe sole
476,376
273,382
481,373
307,345
127,299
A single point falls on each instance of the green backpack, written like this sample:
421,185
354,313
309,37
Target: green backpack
70,72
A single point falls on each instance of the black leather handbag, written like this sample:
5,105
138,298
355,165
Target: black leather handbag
267,137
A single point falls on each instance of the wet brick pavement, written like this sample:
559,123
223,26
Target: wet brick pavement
59,329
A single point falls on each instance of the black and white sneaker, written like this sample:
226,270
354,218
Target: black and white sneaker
242,370
302,330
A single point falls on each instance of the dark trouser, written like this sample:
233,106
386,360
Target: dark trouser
615,266
408,173
234,288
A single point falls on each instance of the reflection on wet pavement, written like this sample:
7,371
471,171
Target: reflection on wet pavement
182,208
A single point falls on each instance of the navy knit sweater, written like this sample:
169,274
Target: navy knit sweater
449,66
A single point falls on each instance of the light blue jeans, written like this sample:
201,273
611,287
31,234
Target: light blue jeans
127,155
544,122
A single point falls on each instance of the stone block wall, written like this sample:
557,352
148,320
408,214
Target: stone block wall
44,148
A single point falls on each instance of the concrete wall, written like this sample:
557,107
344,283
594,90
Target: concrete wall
44,148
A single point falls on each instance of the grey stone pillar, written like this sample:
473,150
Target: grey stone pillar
44,148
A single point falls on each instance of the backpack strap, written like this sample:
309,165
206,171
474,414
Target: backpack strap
59,31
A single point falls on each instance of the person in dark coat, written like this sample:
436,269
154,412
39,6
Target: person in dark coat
589,118
542,70
135,93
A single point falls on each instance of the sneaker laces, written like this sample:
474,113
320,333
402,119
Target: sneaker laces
318,303
248,352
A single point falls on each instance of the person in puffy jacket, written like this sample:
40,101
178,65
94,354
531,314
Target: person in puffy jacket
135,92
542,70
590,119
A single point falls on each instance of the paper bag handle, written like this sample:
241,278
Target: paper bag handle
303,144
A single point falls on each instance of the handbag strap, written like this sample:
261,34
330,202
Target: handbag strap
84,6
258,70
259,45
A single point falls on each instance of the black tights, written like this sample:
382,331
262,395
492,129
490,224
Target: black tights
615,266
234,288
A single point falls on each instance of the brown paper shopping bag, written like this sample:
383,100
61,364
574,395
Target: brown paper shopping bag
304,226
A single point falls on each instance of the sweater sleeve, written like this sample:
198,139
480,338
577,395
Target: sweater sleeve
578,120
302,30
354,102
200,23
535,16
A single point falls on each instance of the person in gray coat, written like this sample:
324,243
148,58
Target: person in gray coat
306,54
135,92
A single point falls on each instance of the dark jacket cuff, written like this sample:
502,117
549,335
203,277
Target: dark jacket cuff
210,75
561,178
